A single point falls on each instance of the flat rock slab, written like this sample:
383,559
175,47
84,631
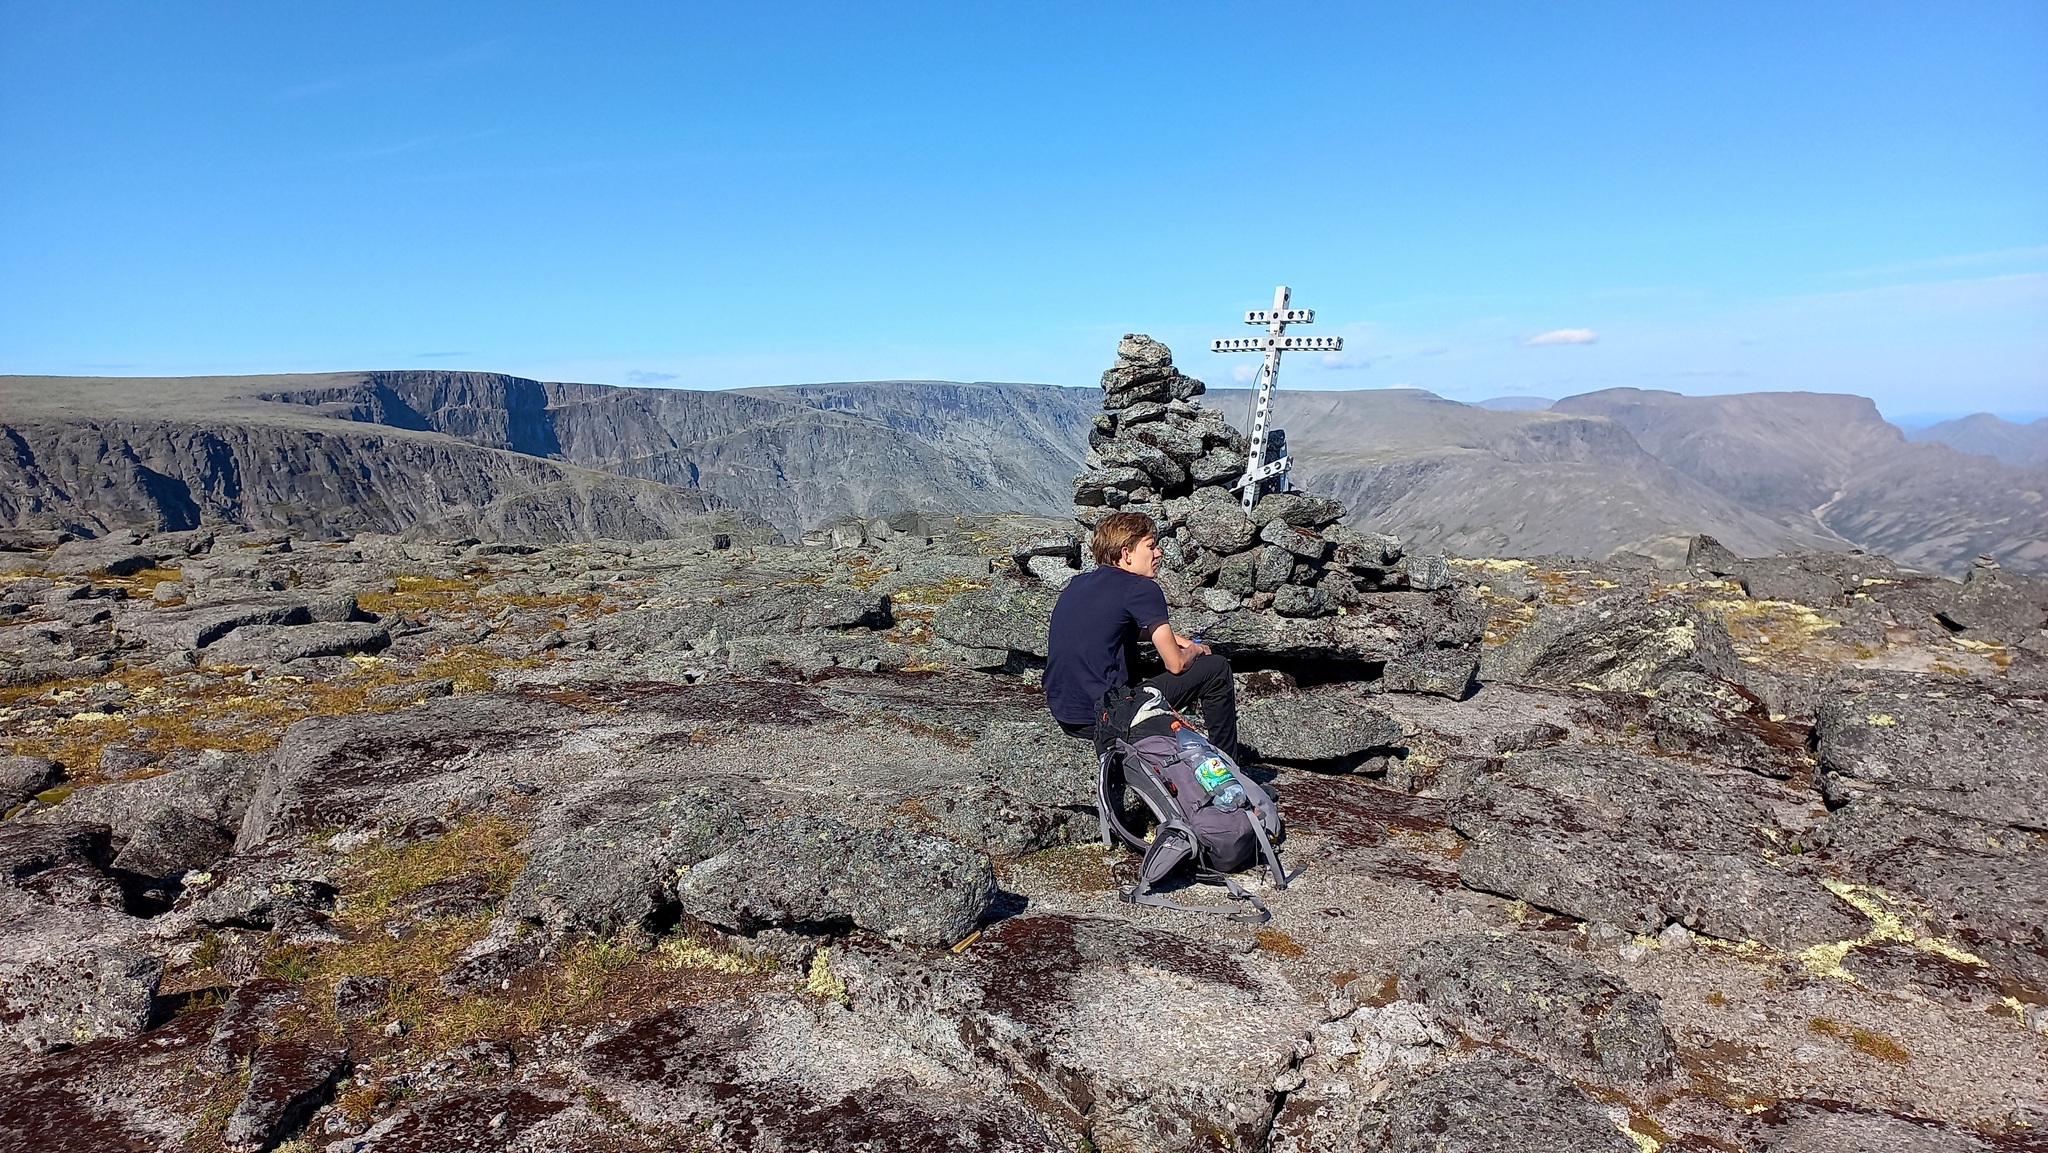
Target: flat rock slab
1827,1127
494,1117
1160,1041
794,1073
1549,1005
1943,743
113,1096
277,644
331,771
55,992
1493,1102
813,871
1984,885
1641,842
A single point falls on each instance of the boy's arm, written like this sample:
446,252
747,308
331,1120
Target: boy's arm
1176,652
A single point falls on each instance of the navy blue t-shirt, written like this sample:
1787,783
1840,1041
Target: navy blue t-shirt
1092,644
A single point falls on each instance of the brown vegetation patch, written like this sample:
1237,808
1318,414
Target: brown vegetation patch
1876,1044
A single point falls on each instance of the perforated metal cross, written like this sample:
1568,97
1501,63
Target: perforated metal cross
1274,341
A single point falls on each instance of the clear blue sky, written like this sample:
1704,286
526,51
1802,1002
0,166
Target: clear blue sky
1723,197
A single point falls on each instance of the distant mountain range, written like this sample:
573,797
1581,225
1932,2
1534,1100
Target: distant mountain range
470,453
2025,445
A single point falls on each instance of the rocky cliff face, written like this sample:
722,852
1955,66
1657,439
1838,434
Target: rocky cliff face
410,451
94,476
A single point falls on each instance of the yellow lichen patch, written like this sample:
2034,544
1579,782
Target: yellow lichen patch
143,582
1886,924
820,982
1770,626
683,952
1881,720
1644,1131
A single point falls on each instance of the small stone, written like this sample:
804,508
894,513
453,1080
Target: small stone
498,1119
396,1029
1675,937
1634,953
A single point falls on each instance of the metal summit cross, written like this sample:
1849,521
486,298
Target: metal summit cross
1257,469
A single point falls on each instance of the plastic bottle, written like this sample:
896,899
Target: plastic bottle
1210,768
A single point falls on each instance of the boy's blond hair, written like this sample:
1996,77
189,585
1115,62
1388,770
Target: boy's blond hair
1118,531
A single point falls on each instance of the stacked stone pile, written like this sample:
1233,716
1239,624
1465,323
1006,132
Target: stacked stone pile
1154,450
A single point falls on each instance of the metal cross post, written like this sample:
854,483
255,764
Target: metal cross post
1257,469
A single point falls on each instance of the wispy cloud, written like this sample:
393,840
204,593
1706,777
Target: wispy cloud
1244,373
639,377
2030,253
1349,360
1435,350
1562,336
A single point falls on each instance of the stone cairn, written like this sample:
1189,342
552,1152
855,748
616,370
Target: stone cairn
1154,450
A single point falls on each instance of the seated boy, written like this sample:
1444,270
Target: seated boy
1092,645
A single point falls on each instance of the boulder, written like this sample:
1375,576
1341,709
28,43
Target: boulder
288,1080
249,1014
1943,743
119,554
1301,601
197,626
1298,509
1108,486
1797,1126
1221,527
1643,842
597,872
1554,1006
55,993
1298,541
1363,552
23,777
815,871
1983,885
1995,605
174,840
1318,724
1438,672
1616,642
1158,466
1382,627
1008,614
1271,566
267,891
1702,715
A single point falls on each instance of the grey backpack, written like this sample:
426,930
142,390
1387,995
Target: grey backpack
1150,796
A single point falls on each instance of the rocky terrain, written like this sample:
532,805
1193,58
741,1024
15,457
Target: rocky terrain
375,844
441,455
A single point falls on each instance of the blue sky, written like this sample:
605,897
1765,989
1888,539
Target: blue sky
1704,197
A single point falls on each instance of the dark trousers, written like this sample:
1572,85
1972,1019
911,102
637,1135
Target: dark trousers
1206,684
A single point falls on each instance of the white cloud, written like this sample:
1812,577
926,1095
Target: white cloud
1563,336
638,376
1244,373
